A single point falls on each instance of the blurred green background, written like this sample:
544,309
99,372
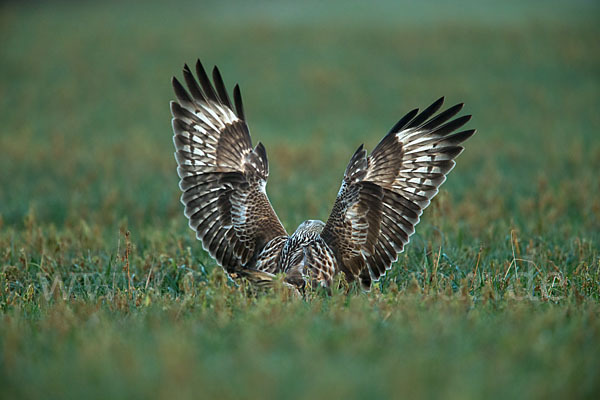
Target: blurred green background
86,126
86,154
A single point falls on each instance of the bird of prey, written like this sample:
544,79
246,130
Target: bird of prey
381,198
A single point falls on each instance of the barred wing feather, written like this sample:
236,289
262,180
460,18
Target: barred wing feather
222,177
384,194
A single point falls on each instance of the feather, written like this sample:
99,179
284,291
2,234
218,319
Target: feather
441,118
223,96
209,91
425,114
239,106
193,85
218,179
408,166
403,122
181,94
380,201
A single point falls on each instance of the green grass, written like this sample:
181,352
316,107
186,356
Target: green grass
497,295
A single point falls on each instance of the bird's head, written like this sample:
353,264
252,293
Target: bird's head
311,226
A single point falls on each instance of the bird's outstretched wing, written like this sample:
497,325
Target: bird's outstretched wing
384,194
223,178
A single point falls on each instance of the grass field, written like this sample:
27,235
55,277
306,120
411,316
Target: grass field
104,292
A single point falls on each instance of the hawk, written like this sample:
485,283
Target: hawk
382,196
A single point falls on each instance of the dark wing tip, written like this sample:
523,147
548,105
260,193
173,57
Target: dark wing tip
175,107
459,137
205,82
442,117
455,109
426,113
237,99
404,121
192,85
220,86
436,105
180,92
451,126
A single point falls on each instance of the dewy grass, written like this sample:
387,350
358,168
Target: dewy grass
496,296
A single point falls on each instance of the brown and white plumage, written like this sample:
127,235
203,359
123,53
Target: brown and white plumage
384,194
223,179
